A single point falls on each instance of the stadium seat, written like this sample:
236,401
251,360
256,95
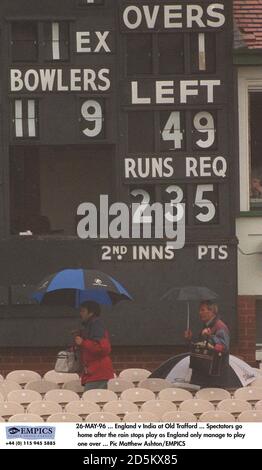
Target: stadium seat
140,417
137,395
23,397
196,406
233,406
120,407
179,417
250,394
99,396
41,386
176,395
250,416
22,377
82,408
9,408
75,386
155,385
64,418
7,386
214,395
102,417
60,378
25,418
134,375
44,408
158,407
216,416
258,405
61,396
118,385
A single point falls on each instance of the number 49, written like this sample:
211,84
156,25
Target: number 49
203,130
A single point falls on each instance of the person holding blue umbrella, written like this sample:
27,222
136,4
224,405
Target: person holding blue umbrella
95,348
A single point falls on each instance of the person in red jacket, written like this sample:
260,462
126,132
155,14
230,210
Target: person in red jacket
95,348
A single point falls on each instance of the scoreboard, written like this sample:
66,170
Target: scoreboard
138,99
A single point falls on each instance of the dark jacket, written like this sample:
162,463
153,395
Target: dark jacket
95,352
220,340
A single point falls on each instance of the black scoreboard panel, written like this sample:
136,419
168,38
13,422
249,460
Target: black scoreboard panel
134,100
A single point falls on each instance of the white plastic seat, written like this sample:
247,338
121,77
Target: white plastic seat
1,397
258,405
134,375
75,386
41,386
9,408
250,416
214,395
119,385
158,407
23,397
155,385
196,406
60,378
103,417
44,408
137,395
25,418
257,382
82,408
22,377
233,406
140,417
7,386
176,395
61,396
100,396
120,407
217,416
1,378
250,394
64,418
2,420
179,417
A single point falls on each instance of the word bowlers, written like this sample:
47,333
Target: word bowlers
60,80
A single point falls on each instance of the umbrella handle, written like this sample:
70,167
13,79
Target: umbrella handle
188,315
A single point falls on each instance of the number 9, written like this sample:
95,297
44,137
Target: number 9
208,128
91,111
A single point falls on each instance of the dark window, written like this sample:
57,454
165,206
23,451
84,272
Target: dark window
141,132
24,41
47,184
171,53
56,40
25,121
255,117
139,54
203,52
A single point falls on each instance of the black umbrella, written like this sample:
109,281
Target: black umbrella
176,370
187,293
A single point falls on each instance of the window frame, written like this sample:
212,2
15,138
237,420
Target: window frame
249,80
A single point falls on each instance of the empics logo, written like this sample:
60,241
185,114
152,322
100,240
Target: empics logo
30,432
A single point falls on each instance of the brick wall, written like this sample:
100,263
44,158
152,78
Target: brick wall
43,359
246,343
148,357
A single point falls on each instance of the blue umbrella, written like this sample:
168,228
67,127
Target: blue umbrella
74,286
